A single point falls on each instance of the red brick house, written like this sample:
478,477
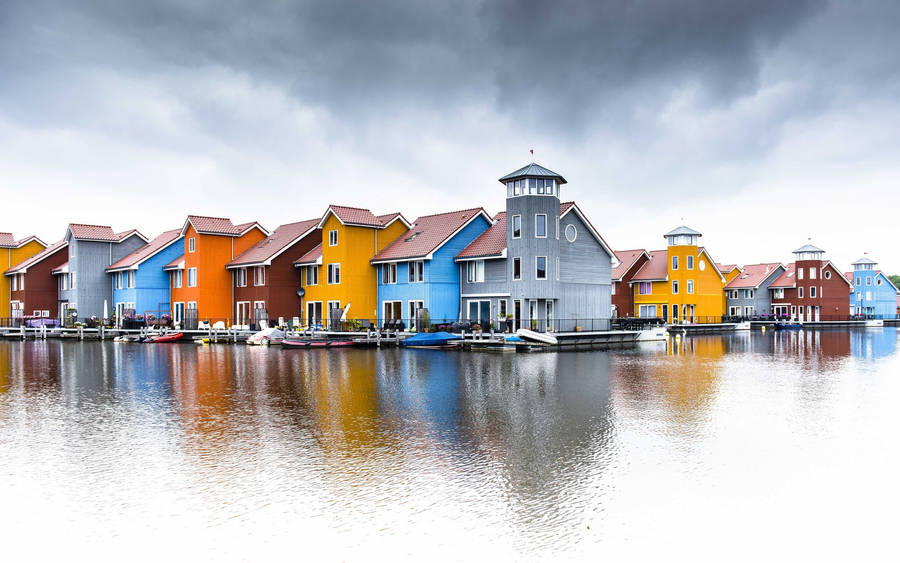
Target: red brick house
811,289
629,262
264,277
34,286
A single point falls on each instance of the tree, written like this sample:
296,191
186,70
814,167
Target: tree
895,279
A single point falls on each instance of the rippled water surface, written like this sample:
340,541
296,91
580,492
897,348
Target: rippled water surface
714,447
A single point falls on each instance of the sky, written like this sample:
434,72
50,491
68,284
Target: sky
764,125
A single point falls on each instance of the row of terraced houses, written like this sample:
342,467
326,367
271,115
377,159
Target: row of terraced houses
540,264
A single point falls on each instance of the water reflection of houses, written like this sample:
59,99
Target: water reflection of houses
873,343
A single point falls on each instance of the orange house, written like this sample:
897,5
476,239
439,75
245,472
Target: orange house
198,279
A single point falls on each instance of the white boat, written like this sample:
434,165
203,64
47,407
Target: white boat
874,322
745,325
652,334
541,337
266,336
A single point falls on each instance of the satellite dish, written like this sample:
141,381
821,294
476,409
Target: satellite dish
301,292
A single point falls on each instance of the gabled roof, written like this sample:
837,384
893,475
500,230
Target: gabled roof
725,268
8,241
849,276
489,244
22,267
786,280
627,259
219,226
61,269
125,234
808,248
654,269
101,233
312,257
263,252
428,234
753,275
532,170
492,242
682,230
154,247
176,264
358,217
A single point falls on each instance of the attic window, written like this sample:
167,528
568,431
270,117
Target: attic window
412,236
745,276
790,275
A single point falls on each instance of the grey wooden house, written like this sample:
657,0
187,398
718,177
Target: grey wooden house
748,295
82,282
541,264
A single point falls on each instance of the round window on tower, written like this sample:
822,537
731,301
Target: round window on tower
571,233
827,275
702,265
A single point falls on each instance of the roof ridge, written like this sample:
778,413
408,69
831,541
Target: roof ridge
208,217
450,212
90,225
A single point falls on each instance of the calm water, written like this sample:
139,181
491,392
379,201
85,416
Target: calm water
714,447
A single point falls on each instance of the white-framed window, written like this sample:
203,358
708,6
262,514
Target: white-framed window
540,267
192,244
62,283
517,268
334,274
612,287
557,227
416,272
192,277
414,307
389,273
812,273
312,277
71,280
192,305
240,277
549,317
242,312
821,293
501,308
259,275
313,312
259,304
118,280
674,262
645,288
571,233
858,280
516,226
177,278
333,305
779,294
690,262
799,273
812,292
332,237
540,225
868,296
749,311
178,312
800,292
868,281
674,287
557,268
647,311
827,274
130,280
475,271
690,286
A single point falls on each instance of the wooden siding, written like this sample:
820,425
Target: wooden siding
40,285
10,257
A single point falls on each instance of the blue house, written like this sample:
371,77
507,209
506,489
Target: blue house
418,272
873,294
139,281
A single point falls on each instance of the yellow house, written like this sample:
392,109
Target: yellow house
12,253
680,284
337,275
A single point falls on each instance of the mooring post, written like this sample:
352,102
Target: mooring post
80,332
102,332
22,330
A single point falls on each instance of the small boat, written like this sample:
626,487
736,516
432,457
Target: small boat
430,340
315,343
541,337
788,326
743,325
874,322
652,334
162,338
266,336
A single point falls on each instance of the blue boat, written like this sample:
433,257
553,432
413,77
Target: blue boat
788,326
430,339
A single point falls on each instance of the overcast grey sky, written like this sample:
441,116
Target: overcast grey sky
761,124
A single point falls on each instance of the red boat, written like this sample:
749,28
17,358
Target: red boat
315,343
172,337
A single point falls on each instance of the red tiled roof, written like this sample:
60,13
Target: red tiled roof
125,234
363,217
787,279
492,242
310,257
7,240
427,234
657,268
269,247
148,250
213,225
93,232
244,227
176,264
849,276
626,259
725,268
62,267
25,264
753,275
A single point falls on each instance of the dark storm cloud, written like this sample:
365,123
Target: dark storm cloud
549,64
